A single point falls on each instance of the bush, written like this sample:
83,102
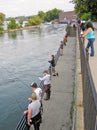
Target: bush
1,30
86,16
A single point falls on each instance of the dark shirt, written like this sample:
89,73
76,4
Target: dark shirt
61,46
52,62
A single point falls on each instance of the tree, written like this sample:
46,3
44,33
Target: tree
12,24
41,14
52,14
21,22
35,20
2,18
1,30
86,16
86,6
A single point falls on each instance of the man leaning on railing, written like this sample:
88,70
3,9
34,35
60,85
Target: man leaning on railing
33,113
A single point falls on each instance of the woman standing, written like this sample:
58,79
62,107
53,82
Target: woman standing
89,33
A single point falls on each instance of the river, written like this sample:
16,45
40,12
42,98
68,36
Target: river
24,56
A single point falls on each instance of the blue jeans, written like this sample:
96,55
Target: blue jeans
90,44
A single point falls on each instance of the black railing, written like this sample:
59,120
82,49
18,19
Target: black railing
89,92
22,125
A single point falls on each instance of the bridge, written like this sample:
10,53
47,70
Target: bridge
73,103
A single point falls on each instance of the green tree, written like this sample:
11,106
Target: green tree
86,6
34,20
41,14
12,24
21,22
2,18
86,16
1,30
52,14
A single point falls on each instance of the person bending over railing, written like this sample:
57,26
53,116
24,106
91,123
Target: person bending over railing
33,113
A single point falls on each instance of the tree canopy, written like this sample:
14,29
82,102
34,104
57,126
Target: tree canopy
44,17
86,7
52,14
2,18
32,20
12,24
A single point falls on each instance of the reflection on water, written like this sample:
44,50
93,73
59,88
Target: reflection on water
12,35
24,56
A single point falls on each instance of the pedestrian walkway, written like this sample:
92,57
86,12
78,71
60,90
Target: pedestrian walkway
93,62
57,114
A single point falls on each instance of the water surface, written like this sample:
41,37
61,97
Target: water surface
24,56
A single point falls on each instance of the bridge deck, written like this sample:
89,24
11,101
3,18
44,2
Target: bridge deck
58,110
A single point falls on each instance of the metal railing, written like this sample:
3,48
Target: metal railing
89,92
22,124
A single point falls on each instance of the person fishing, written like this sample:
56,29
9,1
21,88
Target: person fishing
47,84
33,113
39,93
52,62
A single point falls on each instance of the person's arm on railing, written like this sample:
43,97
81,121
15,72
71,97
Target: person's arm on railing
86,32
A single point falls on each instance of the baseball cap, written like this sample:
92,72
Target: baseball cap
33,84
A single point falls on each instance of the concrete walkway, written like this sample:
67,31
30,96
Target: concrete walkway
93,62
58,110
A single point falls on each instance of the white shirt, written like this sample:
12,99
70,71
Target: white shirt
38,92
46,79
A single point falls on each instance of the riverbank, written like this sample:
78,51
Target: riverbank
20,29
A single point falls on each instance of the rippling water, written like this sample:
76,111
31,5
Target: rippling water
23,57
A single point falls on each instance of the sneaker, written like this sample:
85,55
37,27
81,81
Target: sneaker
46,98
57,74
54,74
86,49
91,55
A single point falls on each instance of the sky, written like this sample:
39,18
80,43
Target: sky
13,8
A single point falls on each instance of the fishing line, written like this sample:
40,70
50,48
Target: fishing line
16,78
25,84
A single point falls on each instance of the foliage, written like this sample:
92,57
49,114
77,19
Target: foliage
83,7
35,20
86,16
42,17
1,30
51,15
12,24
41,14
2,18
21,22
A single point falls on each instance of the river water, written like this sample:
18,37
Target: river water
24,56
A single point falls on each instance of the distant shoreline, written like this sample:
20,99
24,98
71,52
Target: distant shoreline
20,29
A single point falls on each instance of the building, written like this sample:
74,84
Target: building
65,17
